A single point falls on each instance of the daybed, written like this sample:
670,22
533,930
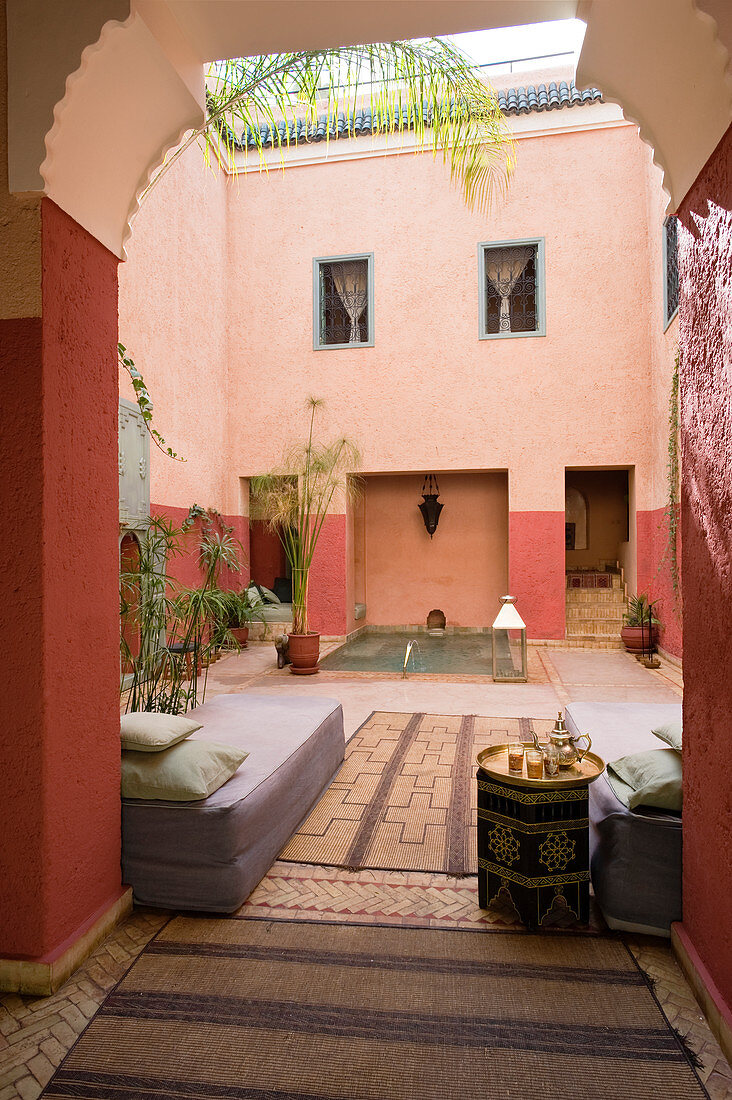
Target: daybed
210,854
635,855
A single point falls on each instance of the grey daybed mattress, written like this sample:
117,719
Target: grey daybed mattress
635,855
209,855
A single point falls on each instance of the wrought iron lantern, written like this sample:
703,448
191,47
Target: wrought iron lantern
509,644
430,506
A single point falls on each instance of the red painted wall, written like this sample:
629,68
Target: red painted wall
59,815
536,571
654,576
706,511
327,584
186,567
266,553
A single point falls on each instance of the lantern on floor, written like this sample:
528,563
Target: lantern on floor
509,644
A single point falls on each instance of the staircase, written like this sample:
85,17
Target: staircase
595,614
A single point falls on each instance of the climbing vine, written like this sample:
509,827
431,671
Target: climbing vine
144,402
208,517
672,473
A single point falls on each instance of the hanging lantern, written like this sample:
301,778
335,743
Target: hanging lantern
430,506
509,644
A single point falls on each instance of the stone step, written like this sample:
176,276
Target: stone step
604,612
597,628
595,596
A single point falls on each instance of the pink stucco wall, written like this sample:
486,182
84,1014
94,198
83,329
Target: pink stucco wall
216,307
174,309
706,507
462,569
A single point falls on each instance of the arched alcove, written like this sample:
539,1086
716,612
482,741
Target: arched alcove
575,518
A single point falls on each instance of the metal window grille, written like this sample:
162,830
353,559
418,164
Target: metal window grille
344,302
511,289
671,263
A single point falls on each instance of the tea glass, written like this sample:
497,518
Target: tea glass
534,764
516,757
551,760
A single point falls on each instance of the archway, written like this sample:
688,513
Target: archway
101,150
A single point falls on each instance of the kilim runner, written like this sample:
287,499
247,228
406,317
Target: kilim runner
405,797
267,1010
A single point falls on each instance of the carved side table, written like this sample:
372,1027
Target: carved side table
533,836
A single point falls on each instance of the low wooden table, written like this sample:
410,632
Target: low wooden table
533,836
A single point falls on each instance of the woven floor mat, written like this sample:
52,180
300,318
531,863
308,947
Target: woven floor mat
267,1010
405,797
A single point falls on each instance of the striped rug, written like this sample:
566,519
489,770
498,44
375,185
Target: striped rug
405,797
262,1010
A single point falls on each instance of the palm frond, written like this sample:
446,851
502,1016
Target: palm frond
429,87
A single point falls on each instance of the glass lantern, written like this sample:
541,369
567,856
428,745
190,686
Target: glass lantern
509,645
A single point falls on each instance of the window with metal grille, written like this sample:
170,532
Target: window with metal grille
512,289
670,268
343,301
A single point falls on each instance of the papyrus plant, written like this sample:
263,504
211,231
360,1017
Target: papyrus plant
295,499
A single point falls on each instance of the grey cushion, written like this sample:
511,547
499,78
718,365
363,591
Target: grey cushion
210,855
620,728
635,863
635,854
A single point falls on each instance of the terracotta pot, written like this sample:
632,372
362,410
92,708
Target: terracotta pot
241,634
304,652
634,636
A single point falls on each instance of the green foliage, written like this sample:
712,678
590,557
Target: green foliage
144,402
295,500
640,610
429,87
165,613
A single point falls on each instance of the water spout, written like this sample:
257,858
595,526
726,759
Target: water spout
407,654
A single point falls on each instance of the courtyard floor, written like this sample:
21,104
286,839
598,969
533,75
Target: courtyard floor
36,1033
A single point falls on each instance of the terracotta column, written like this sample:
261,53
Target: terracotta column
59,815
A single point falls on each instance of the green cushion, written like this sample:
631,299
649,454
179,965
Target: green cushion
148,731
670,732
654,776
184,773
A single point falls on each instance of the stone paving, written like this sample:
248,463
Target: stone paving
36,1033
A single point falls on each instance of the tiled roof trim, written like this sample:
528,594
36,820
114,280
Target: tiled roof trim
513,101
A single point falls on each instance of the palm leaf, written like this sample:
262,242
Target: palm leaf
429,87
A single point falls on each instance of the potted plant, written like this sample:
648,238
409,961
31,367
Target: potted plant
238,612
295,501
639,632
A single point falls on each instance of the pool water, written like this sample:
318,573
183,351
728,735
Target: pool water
461,654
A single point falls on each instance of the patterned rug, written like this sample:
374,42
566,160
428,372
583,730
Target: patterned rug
405,797
263,1010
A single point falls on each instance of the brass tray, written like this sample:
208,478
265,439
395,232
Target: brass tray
494,762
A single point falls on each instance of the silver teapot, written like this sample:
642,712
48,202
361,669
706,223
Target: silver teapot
566,744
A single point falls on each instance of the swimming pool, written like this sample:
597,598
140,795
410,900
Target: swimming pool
459,654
